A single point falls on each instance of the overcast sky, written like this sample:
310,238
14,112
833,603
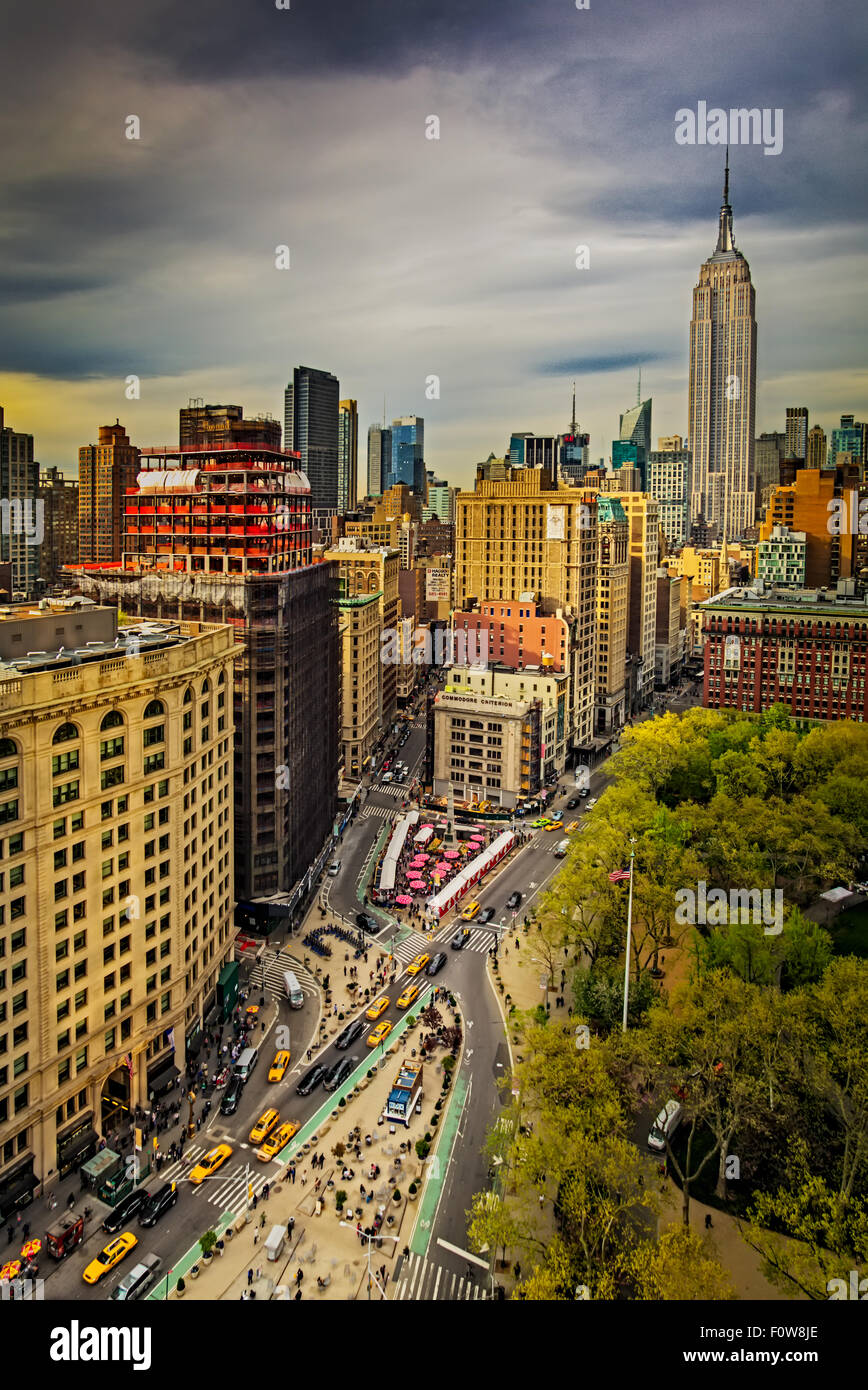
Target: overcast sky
412,257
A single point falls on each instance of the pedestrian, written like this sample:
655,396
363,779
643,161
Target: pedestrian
299,1276
516,1269
708,1221
249,1277
10,1235
255,1237
265,1192
290,1226
262,1221
542,1200
255,1200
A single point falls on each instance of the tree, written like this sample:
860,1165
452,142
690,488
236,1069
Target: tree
679,1265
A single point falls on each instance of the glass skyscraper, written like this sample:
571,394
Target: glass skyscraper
311,428
408,453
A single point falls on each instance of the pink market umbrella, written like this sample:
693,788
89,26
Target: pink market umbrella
451,854
403,900
426,827
422,858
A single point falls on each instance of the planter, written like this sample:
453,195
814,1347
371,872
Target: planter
220,1249
194,1272
181,1289
207,1257
411,1196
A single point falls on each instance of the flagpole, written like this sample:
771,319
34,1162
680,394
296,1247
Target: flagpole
627,953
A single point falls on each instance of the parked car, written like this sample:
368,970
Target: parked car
437,964
514,900
351,1032
232,1096
310,1080
140,1278
127,1207
334,868
338,1072
164,1197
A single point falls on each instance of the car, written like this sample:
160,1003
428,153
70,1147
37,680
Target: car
277,1070
338,1072
437,964
573,826
572,803
334,868
277,1140
380,1033
460,939
109,1256
486,915
310,1080
232,1096
387,764
128,1206
367,923
471,910
556,823
540,823
591,804
514,900
388,776
138,1281
410,994
418,963
378,1007
212,1160
158,1203
351,1032
583,793
263,1127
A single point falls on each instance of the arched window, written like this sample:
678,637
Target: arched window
154,709
206,686
113,720
8,748
222,680
188,696
64,733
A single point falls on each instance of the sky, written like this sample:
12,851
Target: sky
411,257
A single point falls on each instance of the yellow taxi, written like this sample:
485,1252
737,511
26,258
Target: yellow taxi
417,964
276,1141
112,1255
277,1070
378,1007
263,1127
410,993
380,1033
573,826
210,1163
554,824
471,910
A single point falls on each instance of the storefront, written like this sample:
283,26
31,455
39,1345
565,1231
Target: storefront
162,1076
17,1187
193,1041
76,1145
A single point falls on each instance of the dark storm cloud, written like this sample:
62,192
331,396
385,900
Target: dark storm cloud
592,366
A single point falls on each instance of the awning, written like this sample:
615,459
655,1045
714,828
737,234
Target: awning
69,1150
18,1182
193,1042
101,1165
163,1080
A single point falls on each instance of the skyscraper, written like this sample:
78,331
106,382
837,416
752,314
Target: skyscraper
106,470
848,438
310,428
635,425
19,520
408,453
722,387
797,431
379,458
203,425
59,496
816,456
348,454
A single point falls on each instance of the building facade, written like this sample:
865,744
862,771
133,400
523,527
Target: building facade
534,683
486,747
211,426
106,473
613,587
379,459
364,569
59,497
360,626
797,431
722,385
310,429
642,520
408,454
348,454
816,456
781,559
669,480
21,518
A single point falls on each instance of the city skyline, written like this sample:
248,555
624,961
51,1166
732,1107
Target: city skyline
148,279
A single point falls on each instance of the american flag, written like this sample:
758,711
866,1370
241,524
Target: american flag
619,875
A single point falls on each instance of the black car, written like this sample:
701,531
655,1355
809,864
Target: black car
367,923
436,964
119,1216
338,1072
310,1082
351,1032
165,1197
486,915
572,803
513,900
232,1096
460,939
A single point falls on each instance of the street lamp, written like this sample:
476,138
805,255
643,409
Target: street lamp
369,1239
629,924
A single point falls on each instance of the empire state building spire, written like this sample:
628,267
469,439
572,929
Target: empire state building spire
725,239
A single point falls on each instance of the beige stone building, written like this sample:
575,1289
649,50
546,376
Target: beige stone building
642,519
361,680
116,837
367,569
488,747
535,683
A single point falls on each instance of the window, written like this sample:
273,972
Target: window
8,748
113,778
154,709
64,1071
59,831
64,733
156,734
9,811
66,791
154,762
113,720
64,762
8,779
111,748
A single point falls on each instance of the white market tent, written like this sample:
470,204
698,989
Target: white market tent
452,892
393,853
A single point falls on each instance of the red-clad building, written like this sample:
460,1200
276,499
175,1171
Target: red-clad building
804,648
519,633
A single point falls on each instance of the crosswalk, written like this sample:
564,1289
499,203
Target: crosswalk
480,940
273,972
227,1189
389,789
377,811
413,946
423,1281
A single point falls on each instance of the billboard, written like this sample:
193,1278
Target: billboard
556,523
438,585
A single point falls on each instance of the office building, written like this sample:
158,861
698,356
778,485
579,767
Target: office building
408,454
780,560
310,429
613,585
116,756
824,506
669,648
211,426
514,635
669,481
635,428
368,569
441,501
21,517
59,497
642,520
804,648
485,747
379,459
722,385
348,454
225,536
106,473
797,431
536,683
816,457
360,627
848,438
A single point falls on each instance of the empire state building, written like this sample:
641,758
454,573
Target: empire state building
722,388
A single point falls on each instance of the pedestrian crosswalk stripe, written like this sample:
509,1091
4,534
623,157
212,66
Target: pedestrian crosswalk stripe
424,1281
274,972
413,946
377,811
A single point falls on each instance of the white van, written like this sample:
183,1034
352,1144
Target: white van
665,1126
293,990
561,848
246,1062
